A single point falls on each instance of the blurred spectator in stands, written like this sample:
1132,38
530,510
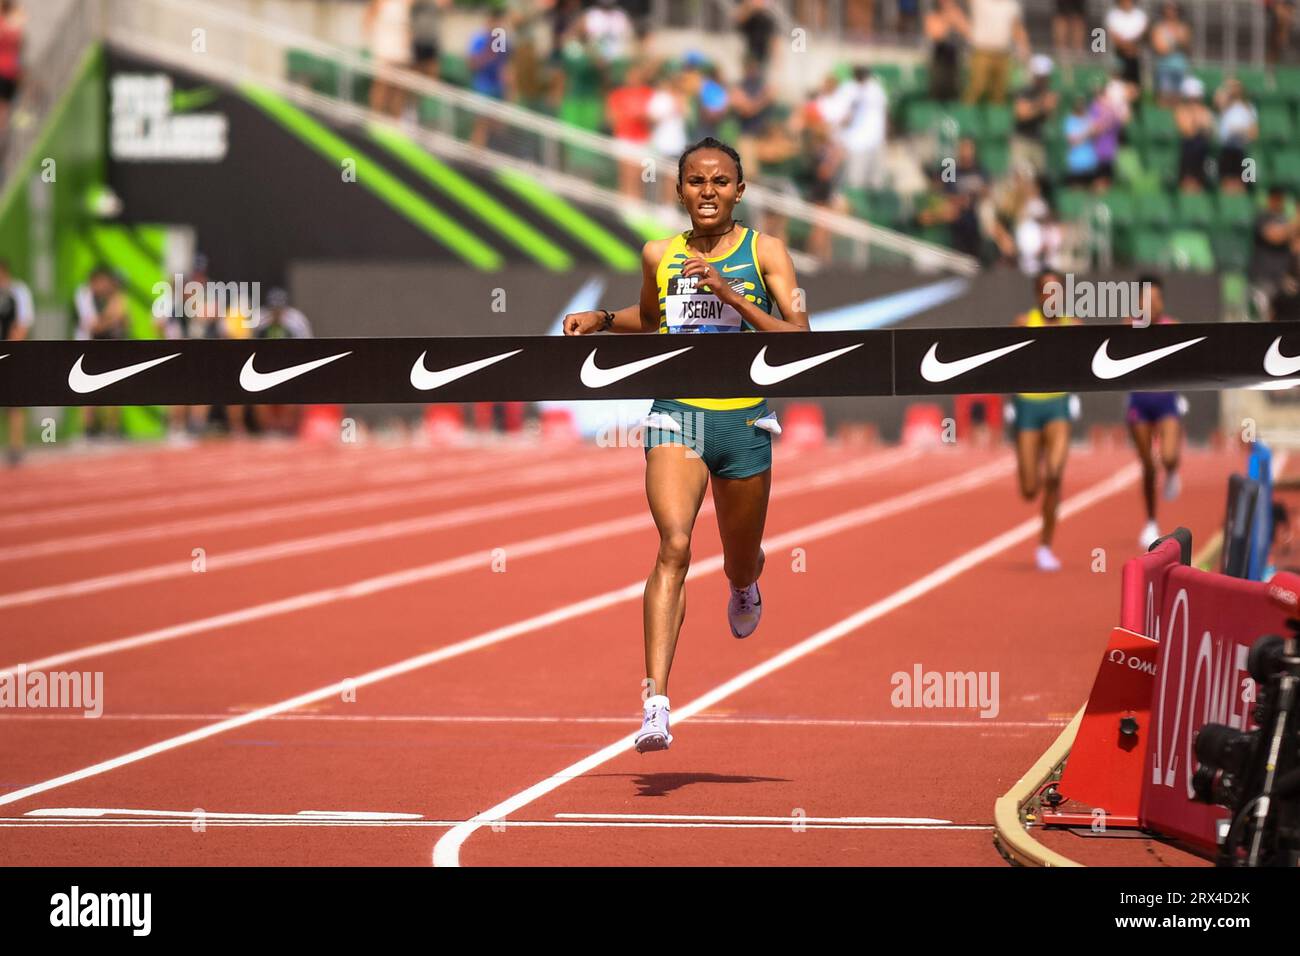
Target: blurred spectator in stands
527,79
1038,237
426,34
1281,14
824,163
1069,25
1238,127
909,13
1285,303
577,86
13,25
101,314
996,28
1108,113
1275,234
489,65
712,103
751,100
1126,28
1002,212
279,320
627,111
388,22
864,130
1171,38
758,26
958,191
1033,108
667,113
610,29
831,102
1195,125
946,27
812,14
859,17
1080,154
17,313
563,14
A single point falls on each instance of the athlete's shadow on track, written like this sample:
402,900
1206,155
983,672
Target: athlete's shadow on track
662,784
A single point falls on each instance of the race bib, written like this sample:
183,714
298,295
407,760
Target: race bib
688,309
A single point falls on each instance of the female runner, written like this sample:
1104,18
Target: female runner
718,276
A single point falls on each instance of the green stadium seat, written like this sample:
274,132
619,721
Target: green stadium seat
1284,168
1195,210
1158,125
969,119
1122,207
922,116
998,122
1151,248
453,69
1232,249
1236,211
885,207
1153,210
890,75
858,204
1073,204
995,156
1275,125
1256,82
1161,159
1211,76
1189,251
1287,83
919,83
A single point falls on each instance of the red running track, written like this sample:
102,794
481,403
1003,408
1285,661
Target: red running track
339,655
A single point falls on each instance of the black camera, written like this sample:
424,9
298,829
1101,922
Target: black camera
1256,773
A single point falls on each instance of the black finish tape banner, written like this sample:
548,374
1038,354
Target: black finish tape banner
534,368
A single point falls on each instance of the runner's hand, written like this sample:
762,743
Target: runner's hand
583,323
710,279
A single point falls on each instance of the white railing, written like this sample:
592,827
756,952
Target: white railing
232,46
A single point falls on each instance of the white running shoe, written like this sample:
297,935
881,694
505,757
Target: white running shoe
1173,485
744,610
1149,534
1045,560
654,733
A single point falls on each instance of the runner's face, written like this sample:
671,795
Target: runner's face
709,189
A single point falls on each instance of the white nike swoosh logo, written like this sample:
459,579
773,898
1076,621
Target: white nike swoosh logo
933,369
82,382
734,268
1105,367
1275,363
425,380
763,374
251,380
593,376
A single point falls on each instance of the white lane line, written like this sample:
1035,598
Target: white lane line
189,485
75,824
446,851
253,485
747,818
96,812
224,522
975,724
314,545
848,520
473,561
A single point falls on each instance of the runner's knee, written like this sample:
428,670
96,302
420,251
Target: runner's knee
675,550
